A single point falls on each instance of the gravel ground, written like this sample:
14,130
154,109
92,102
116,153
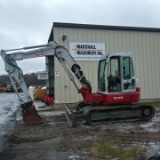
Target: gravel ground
56,141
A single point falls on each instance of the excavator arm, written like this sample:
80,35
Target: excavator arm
30,115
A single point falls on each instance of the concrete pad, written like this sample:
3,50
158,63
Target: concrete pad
40,106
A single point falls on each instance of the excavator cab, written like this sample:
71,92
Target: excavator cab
116,79
116,74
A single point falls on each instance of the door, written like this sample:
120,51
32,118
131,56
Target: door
114,74
128,75
101,76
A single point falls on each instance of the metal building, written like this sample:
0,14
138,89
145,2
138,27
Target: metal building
144,43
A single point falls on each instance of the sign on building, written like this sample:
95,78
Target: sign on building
82,51
42,75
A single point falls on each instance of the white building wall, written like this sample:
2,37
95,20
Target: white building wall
144,45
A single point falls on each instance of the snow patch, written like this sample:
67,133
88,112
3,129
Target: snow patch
8,107
52,113
73,157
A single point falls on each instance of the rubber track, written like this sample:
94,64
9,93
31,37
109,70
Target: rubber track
121,109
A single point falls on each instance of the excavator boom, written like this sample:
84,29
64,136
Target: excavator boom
30,115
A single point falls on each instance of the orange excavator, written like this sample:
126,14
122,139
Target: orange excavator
118,89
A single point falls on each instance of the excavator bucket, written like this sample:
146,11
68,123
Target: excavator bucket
31,117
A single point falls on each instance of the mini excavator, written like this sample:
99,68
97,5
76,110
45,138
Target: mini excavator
118,89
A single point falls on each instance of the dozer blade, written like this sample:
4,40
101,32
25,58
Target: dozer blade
71,119
31,117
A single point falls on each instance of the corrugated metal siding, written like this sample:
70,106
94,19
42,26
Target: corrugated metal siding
144,45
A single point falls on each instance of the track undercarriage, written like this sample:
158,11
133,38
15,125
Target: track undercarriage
96,113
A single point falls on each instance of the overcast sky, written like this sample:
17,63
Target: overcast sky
29,22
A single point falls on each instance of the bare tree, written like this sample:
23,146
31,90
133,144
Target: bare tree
30,79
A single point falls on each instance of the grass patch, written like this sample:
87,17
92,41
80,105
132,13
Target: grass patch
108,151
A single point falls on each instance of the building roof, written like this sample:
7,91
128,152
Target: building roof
91,26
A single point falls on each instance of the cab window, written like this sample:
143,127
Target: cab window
127,68
101,76
113,74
